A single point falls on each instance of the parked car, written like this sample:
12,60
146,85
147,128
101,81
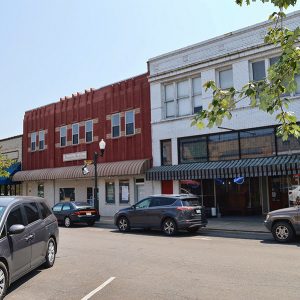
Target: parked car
166,212
68,213
28,237
284,223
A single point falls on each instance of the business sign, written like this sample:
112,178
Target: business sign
74,156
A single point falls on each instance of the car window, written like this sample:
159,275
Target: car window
66,206
15,217
144,203
31,212
3,233
57,207
155,202
191,202
167,201
45,210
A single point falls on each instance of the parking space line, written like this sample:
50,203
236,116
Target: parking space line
201,238
99,288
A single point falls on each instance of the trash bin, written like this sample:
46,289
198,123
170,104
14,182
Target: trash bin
213,211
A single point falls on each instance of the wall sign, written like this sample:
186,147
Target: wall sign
74,156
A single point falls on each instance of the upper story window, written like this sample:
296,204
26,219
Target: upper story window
115,124
33,141
197,94
41,140
63,136
166,152
75,134
258,70
226,79
192,149
183,98
170,100
89,131
129,122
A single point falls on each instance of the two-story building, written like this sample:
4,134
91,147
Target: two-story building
241,167
61,137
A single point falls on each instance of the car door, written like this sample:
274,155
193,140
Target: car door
66,210
57,210
37,232
19,244
153,212
138,217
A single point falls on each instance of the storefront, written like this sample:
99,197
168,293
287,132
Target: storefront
7,186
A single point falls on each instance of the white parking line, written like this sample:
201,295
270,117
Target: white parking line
201,238
99,288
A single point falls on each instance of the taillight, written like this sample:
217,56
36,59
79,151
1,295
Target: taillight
185,208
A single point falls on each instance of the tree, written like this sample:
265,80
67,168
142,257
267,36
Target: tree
267,94
4,164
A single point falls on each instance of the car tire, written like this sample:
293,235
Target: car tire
123,224
169,227
51,253
91,223
67,222
193,229
4,280
283,232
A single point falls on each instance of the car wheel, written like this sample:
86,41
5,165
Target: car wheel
169,227
123,224
51,253
3,280
193,229
283,232
67,222
91,223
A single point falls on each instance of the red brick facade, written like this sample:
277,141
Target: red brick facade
98,105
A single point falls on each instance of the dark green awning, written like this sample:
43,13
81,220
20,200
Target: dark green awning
250,167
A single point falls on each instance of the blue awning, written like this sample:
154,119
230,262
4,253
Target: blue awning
11,170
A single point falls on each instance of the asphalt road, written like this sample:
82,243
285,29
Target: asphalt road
148,265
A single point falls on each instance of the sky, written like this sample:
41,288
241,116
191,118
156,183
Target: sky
53,48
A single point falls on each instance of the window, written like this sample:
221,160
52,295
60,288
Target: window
32,212
115,124
41,140
66,206
183,98
258,70
33,141
257,143
15,217
223,146
297,79
274,60
226,79
166,152
110,192
58,207
3,233
170,100
143,204
155,202
129,121
63,136
197,94
41,190
124,191
290,146
89,193
44,209
67,194
89,131
75,134
192,149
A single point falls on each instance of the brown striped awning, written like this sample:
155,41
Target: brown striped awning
119,168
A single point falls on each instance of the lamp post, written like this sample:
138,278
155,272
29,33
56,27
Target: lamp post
102,145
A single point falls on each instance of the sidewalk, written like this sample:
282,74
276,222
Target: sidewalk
241,224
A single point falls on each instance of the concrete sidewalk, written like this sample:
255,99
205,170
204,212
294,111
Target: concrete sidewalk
240,224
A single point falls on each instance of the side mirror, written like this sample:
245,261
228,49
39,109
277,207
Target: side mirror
16,229
133,206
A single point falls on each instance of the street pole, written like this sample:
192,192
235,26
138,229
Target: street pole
96,204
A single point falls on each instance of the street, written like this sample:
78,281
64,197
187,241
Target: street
148,265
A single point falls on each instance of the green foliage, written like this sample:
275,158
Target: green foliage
269,94
4,164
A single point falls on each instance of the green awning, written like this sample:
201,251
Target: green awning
250,167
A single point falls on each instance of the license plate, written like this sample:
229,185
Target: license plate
198,211
88,214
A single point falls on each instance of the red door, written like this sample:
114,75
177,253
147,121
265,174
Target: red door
167,187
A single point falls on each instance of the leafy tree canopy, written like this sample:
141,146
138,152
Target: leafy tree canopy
4,164
268,94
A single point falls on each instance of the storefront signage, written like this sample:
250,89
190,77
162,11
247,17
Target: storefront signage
74,156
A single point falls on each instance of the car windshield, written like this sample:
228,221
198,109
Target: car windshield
82,205
2,209
191,202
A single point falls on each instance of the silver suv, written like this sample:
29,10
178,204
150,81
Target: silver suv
166,212
284,223
28,237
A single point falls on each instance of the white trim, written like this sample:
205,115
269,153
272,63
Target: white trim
60,135
89,131
73,132
112,117
133,114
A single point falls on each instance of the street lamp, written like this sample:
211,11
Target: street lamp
102,145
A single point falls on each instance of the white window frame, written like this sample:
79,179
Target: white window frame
218,75
170,100
73,125
185,97
255,61
61,136
92,131
42,133
195,94
33,141
133,114
112,125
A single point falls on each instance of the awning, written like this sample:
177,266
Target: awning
11,170
128,167
251,167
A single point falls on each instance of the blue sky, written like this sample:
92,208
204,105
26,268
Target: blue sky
51,49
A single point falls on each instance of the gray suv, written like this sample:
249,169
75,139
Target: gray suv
284,223
28,237
166,212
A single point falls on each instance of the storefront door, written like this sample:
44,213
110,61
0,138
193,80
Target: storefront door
278,192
